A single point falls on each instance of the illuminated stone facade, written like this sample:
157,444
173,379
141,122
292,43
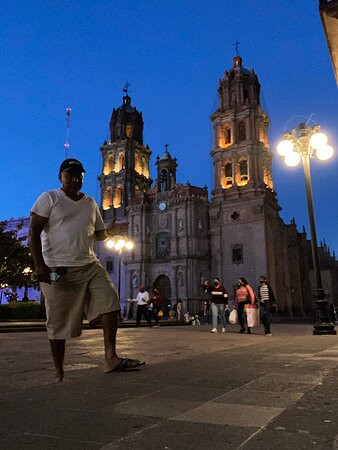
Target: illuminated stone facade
180,236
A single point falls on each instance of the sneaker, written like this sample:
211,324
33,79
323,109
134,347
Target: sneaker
214,330
223,330
242,330
268,334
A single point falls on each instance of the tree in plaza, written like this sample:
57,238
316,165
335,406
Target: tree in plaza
14,258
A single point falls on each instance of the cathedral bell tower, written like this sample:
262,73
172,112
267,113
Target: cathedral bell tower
125,162
241,151
244,213
166,172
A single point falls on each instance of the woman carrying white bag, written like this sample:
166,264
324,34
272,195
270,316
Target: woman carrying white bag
245,297
233,318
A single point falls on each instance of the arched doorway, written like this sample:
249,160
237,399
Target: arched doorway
163,284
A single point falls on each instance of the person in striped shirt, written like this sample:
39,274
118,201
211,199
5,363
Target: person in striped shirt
266,299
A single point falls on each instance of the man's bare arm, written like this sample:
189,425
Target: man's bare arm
37,224
101,235
113,229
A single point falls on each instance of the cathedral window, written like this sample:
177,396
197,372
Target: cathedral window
225,138
246,94
237,254
138,168
241,131
162,245
163,180
107,200
118,199
228,174
243,170
110,164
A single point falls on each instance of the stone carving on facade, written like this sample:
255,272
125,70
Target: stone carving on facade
200,224
180,224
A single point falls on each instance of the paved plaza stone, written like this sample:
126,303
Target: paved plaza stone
199,390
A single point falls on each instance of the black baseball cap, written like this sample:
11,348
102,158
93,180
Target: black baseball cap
71,163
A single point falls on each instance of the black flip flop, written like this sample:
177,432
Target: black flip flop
127,364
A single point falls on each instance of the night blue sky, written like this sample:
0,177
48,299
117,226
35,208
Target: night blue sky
80,54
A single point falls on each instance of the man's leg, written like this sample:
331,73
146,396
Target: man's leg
58,352
240,311
148,315
138,315
109,325
267,317
214,310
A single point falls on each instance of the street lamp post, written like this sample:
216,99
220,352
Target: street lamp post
26,272
119,243
301,144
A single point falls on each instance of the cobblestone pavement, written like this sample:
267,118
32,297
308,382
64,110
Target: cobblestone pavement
199,390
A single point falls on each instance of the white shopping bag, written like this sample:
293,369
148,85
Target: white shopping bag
233,318
252,316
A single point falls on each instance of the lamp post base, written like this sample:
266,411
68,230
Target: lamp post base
323,329
323,324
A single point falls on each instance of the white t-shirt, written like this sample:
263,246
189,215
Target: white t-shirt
142,298
67,240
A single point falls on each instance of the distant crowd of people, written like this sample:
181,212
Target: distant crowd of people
247,304
151,308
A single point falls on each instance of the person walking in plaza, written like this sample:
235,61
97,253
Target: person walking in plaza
157,301
266,299
244,296
64,223
219,298
179,310
143,301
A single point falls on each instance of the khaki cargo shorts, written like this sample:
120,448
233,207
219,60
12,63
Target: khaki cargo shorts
82,292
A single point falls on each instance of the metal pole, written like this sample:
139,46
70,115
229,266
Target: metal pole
119,274
323,324
314,246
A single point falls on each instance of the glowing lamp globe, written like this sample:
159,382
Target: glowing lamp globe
110,243
318,140
292,159
324,152
284,147
121,243
129,245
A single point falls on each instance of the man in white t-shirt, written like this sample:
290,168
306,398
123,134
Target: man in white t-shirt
143,301
64,223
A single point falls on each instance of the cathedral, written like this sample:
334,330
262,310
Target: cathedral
183,235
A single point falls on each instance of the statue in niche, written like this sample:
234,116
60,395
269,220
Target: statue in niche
200,225
147,230
136,231
180,279
135,280
180,224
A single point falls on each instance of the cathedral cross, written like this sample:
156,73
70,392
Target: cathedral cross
126,87
236,47
166,147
